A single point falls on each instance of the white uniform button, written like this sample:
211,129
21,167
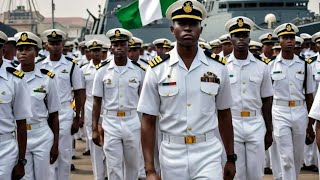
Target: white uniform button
189,129
188,104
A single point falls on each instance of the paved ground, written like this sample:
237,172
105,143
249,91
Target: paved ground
84,170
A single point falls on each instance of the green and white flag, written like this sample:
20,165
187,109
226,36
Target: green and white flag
142,12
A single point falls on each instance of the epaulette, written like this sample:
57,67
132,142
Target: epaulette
41,56
48,73
15,72
144,61
262,58
15,63
216,57
98,66
72,60
139,65
307,60
84,64
39,60
158,60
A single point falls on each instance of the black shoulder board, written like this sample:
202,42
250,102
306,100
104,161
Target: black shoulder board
70,59
137,64
262,58
84,64
144,61
15,63
15,72
216,57
98,66
273,58
41,56
48,73
39,60
314,58
307,60
158,60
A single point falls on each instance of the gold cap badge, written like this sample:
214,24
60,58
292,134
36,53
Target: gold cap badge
288,27
94,43
240,22
187,7
24,36
270,36
53,34
117,33
132,42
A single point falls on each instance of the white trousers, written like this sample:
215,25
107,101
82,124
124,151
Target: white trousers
275,160
122,146
310,152
60,170
39,145
289,128
97,155
193,161
249,133
8,158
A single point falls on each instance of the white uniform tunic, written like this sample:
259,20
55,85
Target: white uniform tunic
187,106
119,87
97,156
14,105
289,111
42,88
250,82
62,69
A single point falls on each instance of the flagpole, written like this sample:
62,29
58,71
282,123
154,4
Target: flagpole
52,9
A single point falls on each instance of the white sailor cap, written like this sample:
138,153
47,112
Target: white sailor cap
82,44
119,34
135,42
239,24
225,38
286,28
215,43
165,43
268,38
204,45
3,38
186,9
94,44
299,41
305,36
106,46
276,46
54,35
254,45
68,44
27,38
316,37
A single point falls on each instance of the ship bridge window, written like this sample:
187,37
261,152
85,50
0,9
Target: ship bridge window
272,4
250,5
222,6
235,5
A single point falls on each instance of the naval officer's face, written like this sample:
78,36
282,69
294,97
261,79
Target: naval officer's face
26,54
186,31
240,41
55,48
119,48
287,42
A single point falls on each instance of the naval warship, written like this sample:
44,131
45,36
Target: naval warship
267,15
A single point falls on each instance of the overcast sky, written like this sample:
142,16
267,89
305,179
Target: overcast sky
77,8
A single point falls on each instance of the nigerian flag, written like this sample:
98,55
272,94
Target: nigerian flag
142,12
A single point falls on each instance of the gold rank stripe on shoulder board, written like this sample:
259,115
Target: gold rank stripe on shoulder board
262,58
307,60
216,57
98,66
158,60
48,73
15,72
139,65
72,60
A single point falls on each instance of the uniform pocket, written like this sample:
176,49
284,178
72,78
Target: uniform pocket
168,90
278,76
38,95
255,79
300,76
209,88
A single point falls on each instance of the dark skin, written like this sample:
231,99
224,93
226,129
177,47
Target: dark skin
187,33
317,46
9,50
55,50
240,42
104,54
120,51
267,49
297,51
18,170
161,50
134,54
26,55
287,43
227,48
216,50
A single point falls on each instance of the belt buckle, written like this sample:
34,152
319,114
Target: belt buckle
28,127
121,114
292,103
245,114
190,139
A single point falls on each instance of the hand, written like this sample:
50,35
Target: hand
268,140
54,153
152,176
81,122
75,125
96,137
310,136
17,172
229,171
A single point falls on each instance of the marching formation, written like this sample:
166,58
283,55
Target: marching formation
231,108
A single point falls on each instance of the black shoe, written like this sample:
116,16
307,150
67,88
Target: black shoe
74,157
87,153
314,168
106,178
267,170
72,168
